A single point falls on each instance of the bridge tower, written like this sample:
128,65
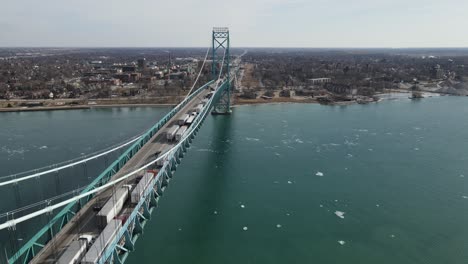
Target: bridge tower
220,51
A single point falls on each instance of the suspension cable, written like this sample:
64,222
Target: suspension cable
15,180
50,208
73,162
199,73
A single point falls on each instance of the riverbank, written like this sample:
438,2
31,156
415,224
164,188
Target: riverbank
169,101
58,108
73,104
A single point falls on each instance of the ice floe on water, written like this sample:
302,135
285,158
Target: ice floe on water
242,206
341,242
299,141
277,154
278,226
462,176
349,155
319,173
362,130
465,197
13,152
252,139
416,128
416,149
392,236
289,182
43,147
350,143
321,205
207,150
215,212
371,149
377,205
245,228
340,214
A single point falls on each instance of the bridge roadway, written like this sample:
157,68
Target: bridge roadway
85,222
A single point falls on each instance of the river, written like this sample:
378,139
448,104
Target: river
292,183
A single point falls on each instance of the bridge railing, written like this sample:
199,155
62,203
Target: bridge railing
149,198
29,250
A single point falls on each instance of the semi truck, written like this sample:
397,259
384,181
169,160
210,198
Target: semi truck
113,206
141,187
75,251
182,119
180,133
171,132
102,241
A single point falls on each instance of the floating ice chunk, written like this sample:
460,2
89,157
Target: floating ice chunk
277,154
340,214
320,174
180,229
299,141
252,139
215,212
276,182
371,149
341,242
288,214
321,205
43,147
289,182
350,155
377,205
462,176
392,235
278,226
465,197
336,200
416,149
244,228
346,168
242,206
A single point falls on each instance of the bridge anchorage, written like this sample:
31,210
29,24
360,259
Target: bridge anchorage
221,63
101,222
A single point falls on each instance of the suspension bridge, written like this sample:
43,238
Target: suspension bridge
101,222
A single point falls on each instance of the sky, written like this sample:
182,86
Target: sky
252,23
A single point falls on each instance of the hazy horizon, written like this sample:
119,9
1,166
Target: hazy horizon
252,23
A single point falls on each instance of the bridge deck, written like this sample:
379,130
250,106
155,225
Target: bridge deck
85,221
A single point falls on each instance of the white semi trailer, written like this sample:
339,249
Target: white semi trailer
113,206
102,241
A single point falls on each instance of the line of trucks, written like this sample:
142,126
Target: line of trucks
87,249
177,131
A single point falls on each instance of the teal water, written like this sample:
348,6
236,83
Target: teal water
30,140
397,169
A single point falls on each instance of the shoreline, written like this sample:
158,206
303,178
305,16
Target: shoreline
236,102
76,107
